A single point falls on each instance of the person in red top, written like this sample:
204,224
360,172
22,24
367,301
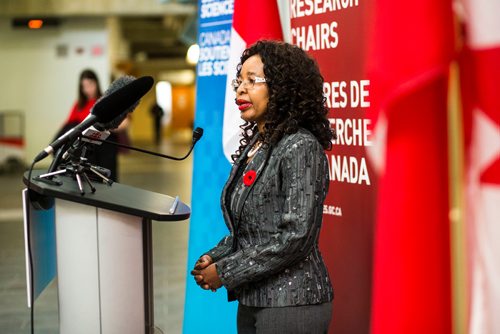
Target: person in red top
89,91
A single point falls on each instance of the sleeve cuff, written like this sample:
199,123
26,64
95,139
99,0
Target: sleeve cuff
222,275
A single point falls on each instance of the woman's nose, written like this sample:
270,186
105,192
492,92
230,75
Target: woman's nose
241,89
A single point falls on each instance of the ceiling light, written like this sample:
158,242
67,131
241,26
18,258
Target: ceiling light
193,54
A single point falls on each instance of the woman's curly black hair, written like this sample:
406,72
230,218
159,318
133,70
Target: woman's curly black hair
296,97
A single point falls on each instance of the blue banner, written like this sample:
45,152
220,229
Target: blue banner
206,311
43,245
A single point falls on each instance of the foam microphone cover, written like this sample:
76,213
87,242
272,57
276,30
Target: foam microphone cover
121,98
197,133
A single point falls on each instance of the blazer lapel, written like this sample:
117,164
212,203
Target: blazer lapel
234,171
259,167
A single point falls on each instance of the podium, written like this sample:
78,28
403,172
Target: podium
103,242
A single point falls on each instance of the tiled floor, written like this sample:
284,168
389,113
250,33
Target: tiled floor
169,246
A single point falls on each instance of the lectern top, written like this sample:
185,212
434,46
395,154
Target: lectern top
117,197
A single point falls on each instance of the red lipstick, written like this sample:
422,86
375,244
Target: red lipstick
243,104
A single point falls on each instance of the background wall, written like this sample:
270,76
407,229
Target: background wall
44,65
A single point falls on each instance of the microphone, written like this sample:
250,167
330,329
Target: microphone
126,92
197,134
100,130
71,134
118,84
106,110
92,135
89,135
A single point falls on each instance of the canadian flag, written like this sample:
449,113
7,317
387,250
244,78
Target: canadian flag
480,74
413,46
252,20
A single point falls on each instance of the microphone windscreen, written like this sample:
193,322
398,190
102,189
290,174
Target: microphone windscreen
197,133
123,94
115,86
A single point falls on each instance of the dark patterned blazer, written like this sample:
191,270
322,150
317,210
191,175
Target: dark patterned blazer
271,257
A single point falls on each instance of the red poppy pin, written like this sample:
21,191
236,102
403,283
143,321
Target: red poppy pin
249,177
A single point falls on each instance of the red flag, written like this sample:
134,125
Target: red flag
408,66
252,20
480,72
257,19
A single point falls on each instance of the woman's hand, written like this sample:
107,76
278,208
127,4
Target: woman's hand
210,277
203,262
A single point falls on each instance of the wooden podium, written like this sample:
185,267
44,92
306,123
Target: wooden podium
104,252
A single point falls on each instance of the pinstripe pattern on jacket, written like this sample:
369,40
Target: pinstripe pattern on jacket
271,256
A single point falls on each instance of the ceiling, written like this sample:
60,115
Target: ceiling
155,31
158,37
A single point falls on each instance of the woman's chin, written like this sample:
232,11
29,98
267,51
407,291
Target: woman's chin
246,116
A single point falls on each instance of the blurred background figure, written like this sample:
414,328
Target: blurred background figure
157,114
104,155
89,91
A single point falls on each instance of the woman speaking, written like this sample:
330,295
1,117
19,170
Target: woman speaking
273,199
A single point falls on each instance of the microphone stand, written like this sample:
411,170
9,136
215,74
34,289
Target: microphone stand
57,158
50,177
79,165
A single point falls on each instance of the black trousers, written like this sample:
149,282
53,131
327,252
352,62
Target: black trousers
313,319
